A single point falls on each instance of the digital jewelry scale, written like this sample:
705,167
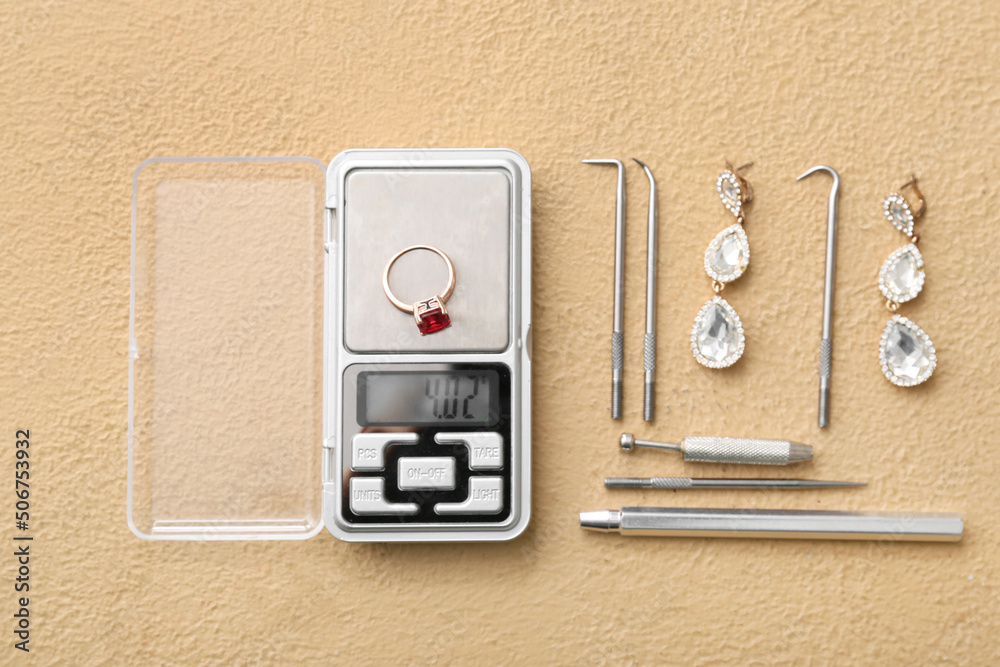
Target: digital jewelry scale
345,346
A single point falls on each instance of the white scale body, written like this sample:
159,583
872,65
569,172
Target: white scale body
236,433
428,437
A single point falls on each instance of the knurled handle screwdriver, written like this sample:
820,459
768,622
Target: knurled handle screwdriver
753,451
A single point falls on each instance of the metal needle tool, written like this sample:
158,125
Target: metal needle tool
777,524
729,450
826,344
649,340
677,483
617,336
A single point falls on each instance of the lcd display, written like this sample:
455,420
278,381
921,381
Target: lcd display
418,398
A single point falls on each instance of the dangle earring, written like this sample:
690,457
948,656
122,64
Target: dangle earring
717,336
906,352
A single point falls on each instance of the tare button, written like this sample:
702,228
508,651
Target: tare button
485,449
427,472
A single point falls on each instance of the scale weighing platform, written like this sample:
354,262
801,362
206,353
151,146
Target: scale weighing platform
275,387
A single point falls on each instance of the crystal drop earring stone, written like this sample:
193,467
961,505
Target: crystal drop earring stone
717,339
906,352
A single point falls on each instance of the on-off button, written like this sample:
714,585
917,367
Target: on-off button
427,472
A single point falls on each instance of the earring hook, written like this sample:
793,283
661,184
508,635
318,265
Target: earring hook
912,184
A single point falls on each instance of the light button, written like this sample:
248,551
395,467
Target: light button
485,497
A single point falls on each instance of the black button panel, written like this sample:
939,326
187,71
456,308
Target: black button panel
445,473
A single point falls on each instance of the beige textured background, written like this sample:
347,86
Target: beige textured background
876,89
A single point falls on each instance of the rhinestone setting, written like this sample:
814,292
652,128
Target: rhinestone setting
717,339
906,353
730,191
902,275
728,255
898,212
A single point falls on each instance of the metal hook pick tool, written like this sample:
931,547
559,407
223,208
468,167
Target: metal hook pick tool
649,340
826,343
617,337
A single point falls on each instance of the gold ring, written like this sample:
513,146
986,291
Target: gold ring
430,314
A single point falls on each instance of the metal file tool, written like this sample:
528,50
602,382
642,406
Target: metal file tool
617,336
729,450
826,343
678,483
649,341
777,524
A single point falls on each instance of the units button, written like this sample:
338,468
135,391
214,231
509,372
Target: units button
485,497
428,472
485,449
368,497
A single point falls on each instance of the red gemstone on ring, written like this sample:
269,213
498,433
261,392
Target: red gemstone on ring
433,321
431,316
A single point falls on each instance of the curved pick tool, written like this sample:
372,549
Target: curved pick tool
826,343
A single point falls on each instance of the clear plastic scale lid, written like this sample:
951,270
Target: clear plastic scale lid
226,349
